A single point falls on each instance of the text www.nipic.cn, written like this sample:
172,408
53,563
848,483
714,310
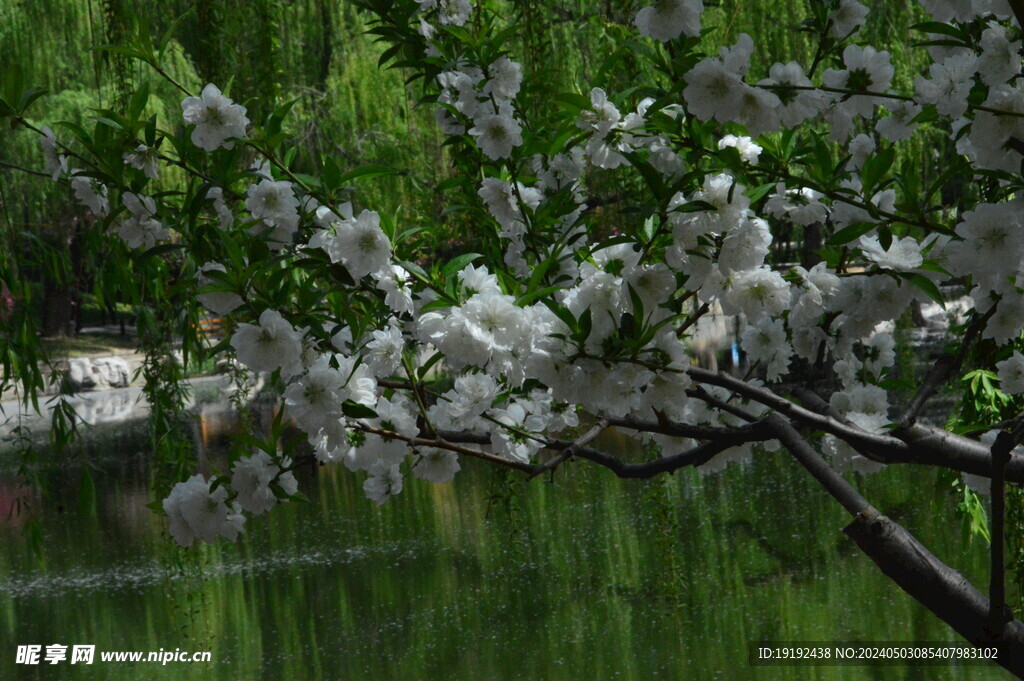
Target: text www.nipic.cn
85,654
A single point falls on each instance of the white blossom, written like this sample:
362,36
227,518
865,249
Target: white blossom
385,481
220,302
194,512
867,70
145,159
748,151
91,193
217,119
436,465
505,78
497,132
1011,374
56,162
251,478
272,344
903,254
141,228
668,19
847,18
361,245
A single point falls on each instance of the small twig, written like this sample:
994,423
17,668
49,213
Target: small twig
581,441
694,318
945,366
442,443
5,164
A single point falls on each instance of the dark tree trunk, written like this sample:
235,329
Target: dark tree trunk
326,46
811,243
58,314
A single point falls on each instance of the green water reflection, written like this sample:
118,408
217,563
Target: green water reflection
582,577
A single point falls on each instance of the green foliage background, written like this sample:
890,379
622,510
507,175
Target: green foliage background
314,51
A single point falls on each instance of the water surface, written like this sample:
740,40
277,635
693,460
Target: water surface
579,576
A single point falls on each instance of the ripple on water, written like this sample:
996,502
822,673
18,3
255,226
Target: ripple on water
150,573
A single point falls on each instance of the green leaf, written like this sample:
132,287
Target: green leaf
165,40
457,263
529,298
876,168
434,359
940,29
366,171
928,286
759,192
27,98
355,410
160,249
573,101
851,232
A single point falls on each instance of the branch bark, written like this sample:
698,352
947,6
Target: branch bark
1018,11
913,444
906,561
944,591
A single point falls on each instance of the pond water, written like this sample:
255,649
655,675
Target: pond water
582,576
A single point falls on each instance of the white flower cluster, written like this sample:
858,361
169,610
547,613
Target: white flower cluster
356,242
145,159
453,12
197,510
668,19
579,323
275,205
486,99
141,229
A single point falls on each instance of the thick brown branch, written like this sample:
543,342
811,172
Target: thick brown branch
687,430
834,484
907,562
648,469
944,591
1018,11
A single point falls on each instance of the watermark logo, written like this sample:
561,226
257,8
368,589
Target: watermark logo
56,653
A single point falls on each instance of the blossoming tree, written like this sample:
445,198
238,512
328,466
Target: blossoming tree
523,353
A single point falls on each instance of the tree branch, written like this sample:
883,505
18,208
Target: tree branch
902,558
944,591
687,430
581,441
442,443
834,484
1018,11
914,444
648,469
849,433
945,366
